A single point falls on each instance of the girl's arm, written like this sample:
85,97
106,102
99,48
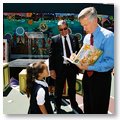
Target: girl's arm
43,109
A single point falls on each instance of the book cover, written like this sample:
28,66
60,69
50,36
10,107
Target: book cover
87,55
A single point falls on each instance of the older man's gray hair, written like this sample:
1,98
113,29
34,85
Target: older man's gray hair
89,11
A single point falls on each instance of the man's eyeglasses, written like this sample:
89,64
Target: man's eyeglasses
63,29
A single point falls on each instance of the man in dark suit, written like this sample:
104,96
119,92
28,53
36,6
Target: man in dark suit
63,44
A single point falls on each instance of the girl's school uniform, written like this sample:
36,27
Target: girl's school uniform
39,96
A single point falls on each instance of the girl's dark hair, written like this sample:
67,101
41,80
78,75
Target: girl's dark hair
32,73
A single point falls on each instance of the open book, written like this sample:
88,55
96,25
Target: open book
87,55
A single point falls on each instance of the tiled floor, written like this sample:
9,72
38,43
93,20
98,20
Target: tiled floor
15,102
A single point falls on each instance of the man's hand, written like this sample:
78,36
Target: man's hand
53,74
72,57
82,67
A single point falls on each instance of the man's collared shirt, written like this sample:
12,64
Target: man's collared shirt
103,40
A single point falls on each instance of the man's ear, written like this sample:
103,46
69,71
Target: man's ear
96,20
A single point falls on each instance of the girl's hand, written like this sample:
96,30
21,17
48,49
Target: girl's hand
53,74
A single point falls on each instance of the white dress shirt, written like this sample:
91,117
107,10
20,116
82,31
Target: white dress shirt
69,44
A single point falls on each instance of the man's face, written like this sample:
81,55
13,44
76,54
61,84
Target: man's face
88,25
63,29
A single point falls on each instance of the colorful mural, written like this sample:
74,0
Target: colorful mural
17,24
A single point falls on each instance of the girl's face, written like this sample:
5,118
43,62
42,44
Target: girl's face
45,71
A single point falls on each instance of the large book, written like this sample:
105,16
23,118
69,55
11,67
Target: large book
87,55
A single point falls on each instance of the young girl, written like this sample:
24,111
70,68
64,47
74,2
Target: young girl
37,89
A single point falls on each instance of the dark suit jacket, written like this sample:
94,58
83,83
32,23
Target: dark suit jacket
56,52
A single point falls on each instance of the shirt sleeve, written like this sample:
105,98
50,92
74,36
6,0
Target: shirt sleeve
40,96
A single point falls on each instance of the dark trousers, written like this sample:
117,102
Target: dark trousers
69,74
96,92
